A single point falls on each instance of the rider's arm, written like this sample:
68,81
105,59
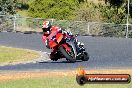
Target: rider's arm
44,37
45,40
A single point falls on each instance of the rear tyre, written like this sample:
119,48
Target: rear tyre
69,58
85,56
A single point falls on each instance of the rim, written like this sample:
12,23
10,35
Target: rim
71,53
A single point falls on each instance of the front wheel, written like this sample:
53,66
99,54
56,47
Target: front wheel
69,57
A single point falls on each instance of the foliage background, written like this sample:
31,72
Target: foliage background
90,15
110,11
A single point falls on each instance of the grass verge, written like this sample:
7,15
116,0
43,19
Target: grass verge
13,55
53,79
55,82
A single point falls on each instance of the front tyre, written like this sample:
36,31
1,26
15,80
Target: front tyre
70,58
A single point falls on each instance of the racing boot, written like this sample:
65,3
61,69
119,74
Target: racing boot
54,56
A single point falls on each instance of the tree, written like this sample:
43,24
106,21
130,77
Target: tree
57,9
7,7
130,8
81,1
114,3
111,15
88,12
23,4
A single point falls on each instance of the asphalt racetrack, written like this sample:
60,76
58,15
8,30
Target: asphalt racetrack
105,53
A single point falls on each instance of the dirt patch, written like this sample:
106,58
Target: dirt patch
23,75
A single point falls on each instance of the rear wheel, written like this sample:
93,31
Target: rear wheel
69,55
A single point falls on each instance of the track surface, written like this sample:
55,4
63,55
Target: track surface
105,53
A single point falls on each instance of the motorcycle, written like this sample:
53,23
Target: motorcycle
66,48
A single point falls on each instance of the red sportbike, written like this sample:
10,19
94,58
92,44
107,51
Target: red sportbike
66,48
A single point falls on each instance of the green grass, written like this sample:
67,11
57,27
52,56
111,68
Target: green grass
22,13
15,55
55,82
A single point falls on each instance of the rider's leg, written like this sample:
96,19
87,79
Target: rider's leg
79,45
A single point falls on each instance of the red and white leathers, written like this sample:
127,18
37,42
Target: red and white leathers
53,30
48,35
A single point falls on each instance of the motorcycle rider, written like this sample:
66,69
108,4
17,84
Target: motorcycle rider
48,30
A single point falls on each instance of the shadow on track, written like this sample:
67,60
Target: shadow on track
59,61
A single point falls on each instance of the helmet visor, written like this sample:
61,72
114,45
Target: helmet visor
45,29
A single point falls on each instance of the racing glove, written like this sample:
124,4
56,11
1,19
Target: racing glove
47,43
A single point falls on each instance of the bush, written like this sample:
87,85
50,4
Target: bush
57,9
